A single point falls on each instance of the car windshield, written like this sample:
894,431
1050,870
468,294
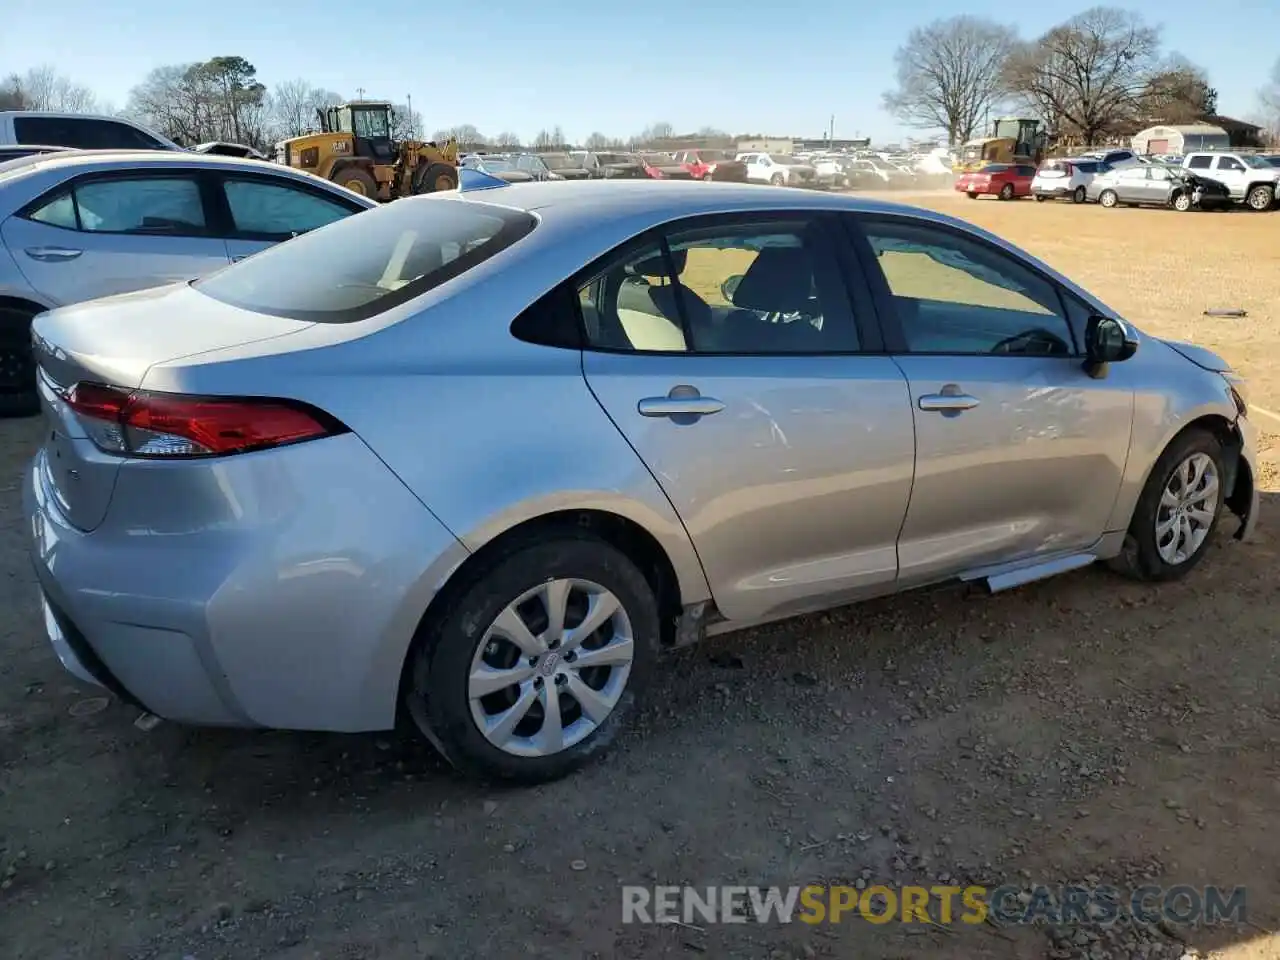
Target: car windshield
533,163
363,265
1258,163
501,164
557,161
1272,161
995,168
613,158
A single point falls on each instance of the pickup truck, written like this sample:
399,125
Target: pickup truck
1250,180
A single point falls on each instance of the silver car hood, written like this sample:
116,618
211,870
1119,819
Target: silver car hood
1199,356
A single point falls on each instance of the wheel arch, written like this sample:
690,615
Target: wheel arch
671,586
1238,482
24,304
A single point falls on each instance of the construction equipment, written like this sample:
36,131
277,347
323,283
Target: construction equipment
355,149
1011,140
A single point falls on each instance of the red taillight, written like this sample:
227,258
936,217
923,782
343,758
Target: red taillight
140,423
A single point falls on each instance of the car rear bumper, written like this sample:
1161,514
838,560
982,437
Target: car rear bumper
1039,190
277,589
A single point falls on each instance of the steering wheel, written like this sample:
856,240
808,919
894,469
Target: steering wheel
1036,342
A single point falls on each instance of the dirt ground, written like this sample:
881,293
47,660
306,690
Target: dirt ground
1084,729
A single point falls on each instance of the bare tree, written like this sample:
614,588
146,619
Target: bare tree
950,74
293,107
545,140
1178,92
43,88
598,141
406,124
1088,75
1269,99
506,140
219,99
11,95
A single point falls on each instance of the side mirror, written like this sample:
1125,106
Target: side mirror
1106,341
730,287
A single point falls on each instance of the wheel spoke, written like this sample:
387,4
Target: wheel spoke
486,679
595,706
1207,492
1164,526
500,727
1185,539
614,654
550,738
510,626
602,607
1202,517
555,598
1169,499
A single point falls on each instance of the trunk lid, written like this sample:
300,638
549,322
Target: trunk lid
116,341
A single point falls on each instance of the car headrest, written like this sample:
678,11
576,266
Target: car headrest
779,280
655,267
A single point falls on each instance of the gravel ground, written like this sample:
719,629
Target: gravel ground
1082,730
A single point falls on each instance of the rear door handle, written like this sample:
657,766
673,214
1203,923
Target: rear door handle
946,402
52,254
681,401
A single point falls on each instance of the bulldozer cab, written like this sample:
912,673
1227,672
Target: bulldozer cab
368,123
1024,134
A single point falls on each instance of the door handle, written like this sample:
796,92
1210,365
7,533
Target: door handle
682,401
52,254
947,402
239,258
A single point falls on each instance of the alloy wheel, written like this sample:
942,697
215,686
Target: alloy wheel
551,668
1187,508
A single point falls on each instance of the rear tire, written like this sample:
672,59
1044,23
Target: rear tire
708,176
468,637
973,195
1040,198
434,178
358,180
1077,195
18,397
1006,192
1146,554
778,180
1108,199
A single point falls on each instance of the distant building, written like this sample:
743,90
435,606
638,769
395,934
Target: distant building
857,143
779,145
1213,133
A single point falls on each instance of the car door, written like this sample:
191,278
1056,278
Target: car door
757,397
1131,185
1159,185
103,234
262,211
1019,453
1232,172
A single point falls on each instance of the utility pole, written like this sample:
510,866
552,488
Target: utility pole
831,132
408,105
359,93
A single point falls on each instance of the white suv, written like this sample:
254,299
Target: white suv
1250,180
1069,177
79,131
778,170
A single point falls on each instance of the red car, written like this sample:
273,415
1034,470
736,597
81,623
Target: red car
713,165
1004,180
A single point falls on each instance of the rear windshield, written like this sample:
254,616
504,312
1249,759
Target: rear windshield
995,168
365,264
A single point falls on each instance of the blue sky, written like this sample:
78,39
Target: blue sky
776,66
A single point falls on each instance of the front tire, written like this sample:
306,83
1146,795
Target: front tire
504,693
1177,512
358,180
778,180
1108,199
1260,198
1078,195
1006,192
1182,202
435,178
18,397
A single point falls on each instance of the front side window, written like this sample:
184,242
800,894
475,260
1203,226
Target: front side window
277,210
361,266
150,205
371,124
754,288
1229,163
958,295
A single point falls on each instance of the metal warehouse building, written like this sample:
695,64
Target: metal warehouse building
1181,138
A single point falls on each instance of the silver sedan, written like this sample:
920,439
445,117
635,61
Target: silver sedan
77,225
484,456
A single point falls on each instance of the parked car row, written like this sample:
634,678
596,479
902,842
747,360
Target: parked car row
1198,181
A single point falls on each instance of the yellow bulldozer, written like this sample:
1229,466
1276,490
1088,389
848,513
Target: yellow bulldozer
355,149
1011,140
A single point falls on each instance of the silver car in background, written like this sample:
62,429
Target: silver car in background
482,457
76,225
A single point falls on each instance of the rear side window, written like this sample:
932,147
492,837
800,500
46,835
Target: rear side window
83,133
1087,166
148,205
366,264
1199,163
